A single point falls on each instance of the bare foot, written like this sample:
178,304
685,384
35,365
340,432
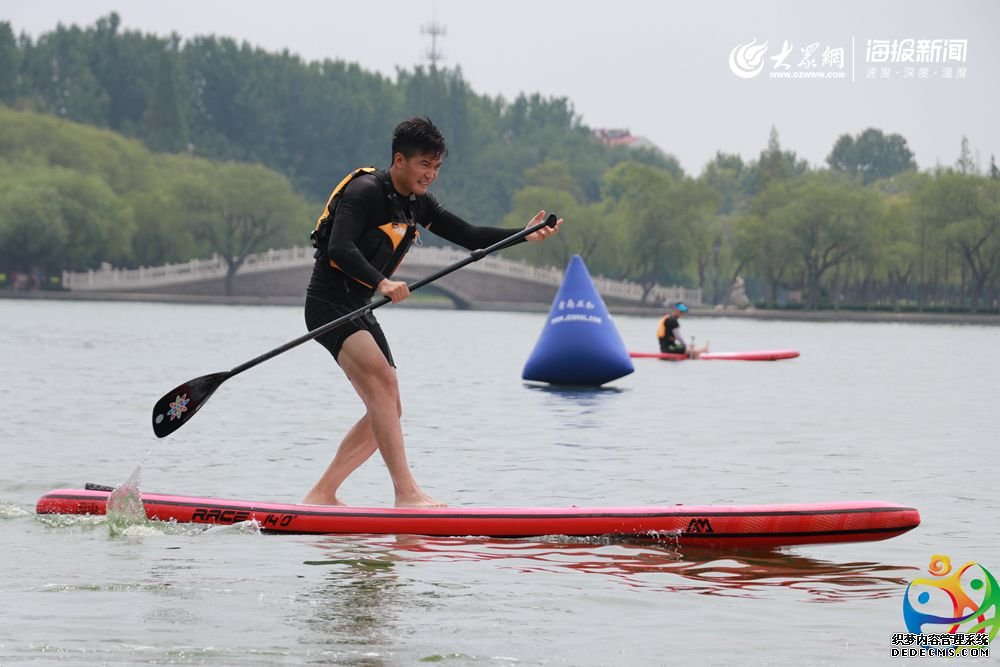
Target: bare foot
420,499
313,498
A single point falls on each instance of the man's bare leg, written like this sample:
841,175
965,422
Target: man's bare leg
375,382
356,447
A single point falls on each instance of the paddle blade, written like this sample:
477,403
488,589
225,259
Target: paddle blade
180,403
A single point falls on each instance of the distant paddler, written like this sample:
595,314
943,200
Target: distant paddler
669,333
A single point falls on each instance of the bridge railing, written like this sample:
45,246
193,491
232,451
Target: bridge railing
622,289
108,278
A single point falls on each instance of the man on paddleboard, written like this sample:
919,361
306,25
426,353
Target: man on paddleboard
367,227
669,333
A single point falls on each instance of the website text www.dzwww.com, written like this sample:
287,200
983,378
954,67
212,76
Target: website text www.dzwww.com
808,75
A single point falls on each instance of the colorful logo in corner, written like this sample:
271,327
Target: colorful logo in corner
178,407
966,600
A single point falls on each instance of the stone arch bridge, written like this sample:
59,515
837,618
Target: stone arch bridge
492,282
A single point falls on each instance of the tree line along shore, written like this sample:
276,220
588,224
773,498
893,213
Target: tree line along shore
139,150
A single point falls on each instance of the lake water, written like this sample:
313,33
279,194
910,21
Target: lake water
903,413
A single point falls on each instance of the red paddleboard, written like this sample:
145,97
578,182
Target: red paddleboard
753,355
708,526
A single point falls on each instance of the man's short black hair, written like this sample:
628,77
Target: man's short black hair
418,136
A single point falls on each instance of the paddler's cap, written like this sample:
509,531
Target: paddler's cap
681,307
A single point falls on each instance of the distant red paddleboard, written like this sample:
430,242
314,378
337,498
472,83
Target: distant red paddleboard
754,355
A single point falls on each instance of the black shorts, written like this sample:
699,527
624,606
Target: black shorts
319,311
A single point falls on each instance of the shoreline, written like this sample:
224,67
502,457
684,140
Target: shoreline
641,311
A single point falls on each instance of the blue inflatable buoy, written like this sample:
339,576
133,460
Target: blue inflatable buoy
579,344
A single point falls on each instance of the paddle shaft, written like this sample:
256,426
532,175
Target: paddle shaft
474,256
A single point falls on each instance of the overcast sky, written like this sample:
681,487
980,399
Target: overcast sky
664,70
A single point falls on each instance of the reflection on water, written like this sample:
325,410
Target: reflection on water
736,574
821,581
580,405
573,391
356,602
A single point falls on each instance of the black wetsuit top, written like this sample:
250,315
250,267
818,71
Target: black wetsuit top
668,341
372,230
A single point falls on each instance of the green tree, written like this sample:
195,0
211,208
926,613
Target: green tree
558,250
34,139
76,220
33,233
555,175
763,245
773,164
10,63
162,124
899,245
100,223
125,64
704,229
661,219
726,174
161,233
237,209
966,210
871,155
829,222
59,72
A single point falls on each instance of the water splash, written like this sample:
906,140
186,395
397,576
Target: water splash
12,511
250,527
125,508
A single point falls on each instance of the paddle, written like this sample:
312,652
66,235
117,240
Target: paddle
179,404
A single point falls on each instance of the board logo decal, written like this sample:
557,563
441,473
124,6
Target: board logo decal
699,526
215,515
